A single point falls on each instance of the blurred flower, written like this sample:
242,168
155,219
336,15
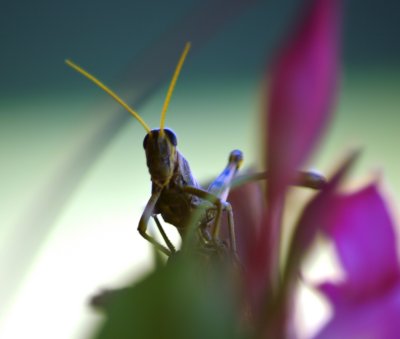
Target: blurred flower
302,89
367,303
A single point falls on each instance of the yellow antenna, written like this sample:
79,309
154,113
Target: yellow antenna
172,85
109,92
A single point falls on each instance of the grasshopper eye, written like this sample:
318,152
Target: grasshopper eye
146,138
171,136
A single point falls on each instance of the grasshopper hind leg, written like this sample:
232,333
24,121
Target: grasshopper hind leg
217,194
221,187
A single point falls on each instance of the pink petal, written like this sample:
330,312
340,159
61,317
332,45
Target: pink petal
279,306
302,90
377,318
367,303
313,218
363,233
247,203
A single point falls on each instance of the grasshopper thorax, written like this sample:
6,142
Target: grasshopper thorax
160,148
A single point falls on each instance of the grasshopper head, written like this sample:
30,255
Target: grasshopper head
160,148
159,144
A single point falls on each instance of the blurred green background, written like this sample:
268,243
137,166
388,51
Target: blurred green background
69,207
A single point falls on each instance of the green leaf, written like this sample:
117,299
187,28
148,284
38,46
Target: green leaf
183,300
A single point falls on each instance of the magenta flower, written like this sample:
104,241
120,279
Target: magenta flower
301,94
367,302
302,90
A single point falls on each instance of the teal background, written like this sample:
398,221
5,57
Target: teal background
47,113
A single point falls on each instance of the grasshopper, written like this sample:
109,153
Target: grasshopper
175,193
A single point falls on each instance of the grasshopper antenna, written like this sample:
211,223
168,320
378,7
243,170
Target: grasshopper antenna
172,85
109,92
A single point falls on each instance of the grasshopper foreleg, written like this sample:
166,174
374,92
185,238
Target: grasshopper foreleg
164,235
144,221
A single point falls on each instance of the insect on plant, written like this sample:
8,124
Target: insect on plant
176,194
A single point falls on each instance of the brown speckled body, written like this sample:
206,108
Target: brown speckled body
175,206
170,172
